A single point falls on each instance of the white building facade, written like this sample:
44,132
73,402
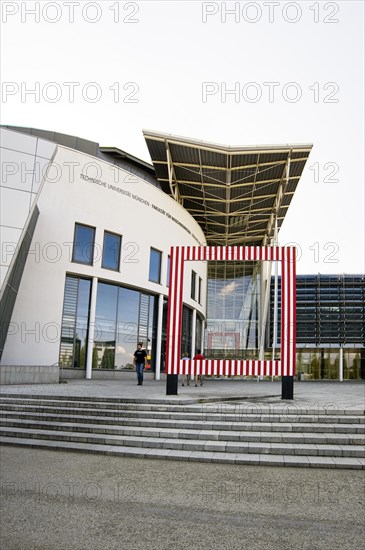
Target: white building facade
85,241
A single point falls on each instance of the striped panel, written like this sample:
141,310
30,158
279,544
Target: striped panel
234,253
174,312
227,367
285,367
288,313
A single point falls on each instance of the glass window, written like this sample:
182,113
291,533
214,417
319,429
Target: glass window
187,331
75,321
82,322
111,251
198,333
127,328
193,285
155,266
233,296
123,317
83,249
105,326
152,332
200,291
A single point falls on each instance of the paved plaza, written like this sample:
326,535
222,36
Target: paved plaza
330,395
72,501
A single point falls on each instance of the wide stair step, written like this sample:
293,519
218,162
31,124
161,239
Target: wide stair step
205,413
305,449
238,433
208,435
126,420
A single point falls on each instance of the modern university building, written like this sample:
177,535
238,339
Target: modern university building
86,233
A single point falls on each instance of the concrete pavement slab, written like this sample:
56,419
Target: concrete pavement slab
329,397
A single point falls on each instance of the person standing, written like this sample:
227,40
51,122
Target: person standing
185,357
140,356
198,377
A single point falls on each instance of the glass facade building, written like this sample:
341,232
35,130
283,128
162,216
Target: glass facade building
330,320
233,304
330,325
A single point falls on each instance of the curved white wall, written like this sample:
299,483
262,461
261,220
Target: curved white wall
83,189
24,160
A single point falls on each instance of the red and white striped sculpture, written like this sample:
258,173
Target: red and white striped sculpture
232,367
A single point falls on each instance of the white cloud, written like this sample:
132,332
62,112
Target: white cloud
228,289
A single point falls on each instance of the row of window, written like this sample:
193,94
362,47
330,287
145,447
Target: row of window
123,317
83,252
84,248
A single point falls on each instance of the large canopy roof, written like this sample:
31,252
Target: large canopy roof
234,193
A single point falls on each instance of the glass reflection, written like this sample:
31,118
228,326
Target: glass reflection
123,318
75,322
127,328
155,265
105,326
83,249
233,310
82,320
111,251
324,364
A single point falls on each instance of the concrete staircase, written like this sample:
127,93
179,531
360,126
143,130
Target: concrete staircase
224,432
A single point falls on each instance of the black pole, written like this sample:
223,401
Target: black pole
171,384
287,387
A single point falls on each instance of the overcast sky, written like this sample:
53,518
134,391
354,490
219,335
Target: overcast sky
295,70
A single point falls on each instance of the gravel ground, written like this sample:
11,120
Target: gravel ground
73,501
